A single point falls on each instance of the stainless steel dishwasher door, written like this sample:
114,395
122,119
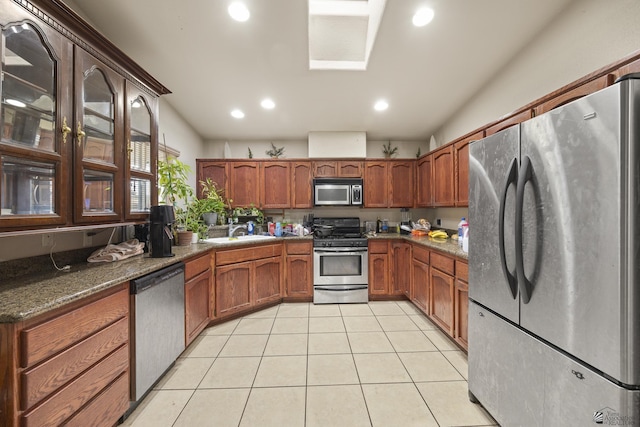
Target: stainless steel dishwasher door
159,325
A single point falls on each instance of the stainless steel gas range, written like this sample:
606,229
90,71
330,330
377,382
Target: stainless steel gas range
340,262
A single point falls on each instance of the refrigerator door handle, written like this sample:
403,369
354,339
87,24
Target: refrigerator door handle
525,176
512,178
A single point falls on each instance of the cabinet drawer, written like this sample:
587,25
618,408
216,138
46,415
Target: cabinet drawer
64,403
107,407
421,254
233,256
299,248
196,266
442,263
462,271
47,377
378,246
46,339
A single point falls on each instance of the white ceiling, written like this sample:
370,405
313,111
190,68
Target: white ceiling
213,64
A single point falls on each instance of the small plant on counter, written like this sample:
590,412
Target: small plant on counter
388,151
275,152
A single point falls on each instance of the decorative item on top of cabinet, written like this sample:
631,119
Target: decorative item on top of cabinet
275,182
301,194
389,151
442,181
376,184
275,152
462,304
461,161
299,270
424,195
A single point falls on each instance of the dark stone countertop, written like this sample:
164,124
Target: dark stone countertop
447,246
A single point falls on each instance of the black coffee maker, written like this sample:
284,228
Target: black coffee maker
160,234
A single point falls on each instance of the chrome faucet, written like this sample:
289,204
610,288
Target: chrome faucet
233,229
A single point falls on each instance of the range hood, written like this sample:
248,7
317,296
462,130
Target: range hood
338,144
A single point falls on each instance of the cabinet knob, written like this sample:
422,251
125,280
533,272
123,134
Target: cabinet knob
65,129
80,133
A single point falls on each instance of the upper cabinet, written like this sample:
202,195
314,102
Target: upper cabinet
337,169
376,188
561,97
461,161
275,182
442,181
401,183
79,129
216,170
301,197
244,188
424,197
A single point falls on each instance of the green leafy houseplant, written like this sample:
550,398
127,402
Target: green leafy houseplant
275,152
213,198
389,151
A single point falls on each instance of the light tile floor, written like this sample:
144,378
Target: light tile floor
376,364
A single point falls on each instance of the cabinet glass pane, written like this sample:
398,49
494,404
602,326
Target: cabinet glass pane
99,118
140,138
26,187
98,192
28,89
140,195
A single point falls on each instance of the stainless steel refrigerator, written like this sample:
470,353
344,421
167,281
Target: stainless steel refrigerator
554,265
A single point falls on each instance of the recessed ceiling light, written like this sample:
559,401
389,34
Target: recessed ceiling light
268,104
238,114
239,11
422,17
381,105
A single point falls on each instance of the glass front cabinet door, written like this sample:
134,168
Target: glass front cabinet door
35,145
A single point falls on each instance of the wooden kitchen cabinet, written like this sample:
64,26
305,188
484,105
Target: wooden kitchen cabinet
197,288
301,185
401,258
424,197
442,295
376,188
244,183
461,161
299,269
247,277
419,294
510,121
401,183
275,185
217,171
561,97
69,364
462,304
337,169
442,177
379,269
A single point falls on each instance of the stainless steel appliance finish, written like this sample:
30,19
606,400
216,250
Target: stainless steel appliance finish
340,263
554,318
337,192
158,320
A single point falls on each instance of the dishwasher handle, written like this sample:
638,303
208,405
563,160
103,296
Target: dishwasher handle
143,283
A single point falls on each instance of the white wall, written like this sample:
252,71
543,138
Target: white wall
588,35
300,149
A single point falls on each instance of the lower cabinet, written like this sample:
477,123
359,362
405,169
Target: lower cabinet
462,304
247,277
71,365
441,279
401,256
420,278
299,270
379,271
197,288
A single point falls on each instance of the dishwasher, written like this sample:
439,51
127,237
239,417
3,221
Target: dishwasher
157,326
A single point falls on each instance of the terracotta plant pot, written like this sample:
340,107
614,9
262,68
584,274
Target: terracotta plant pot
184,238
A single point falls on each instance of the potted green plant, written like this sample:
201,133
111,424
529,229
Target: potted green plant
213,203
176,191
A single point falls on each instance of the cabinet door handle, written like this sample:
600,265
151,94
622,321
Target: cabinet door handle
80,133
65,129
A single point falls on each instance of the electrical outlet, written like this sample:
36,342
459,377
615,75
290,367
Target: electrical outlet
47,240
87,239
438,222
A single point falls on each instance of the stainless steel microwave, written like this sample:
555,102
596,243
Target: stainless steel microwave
337,192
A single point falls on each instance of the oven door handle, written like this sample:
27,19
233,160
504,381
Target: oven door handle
340,250
340,288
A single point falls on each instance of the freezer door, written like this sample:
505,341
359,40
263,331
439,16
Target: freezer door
574,232
492,172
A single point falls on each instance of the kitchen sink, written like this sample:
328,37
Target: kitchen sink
238,239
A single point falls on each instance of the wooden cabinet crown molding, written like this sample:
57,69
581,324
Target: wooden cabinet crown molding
63,19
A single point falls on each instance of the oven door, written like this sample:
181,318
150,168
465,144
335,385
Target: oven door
340,266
